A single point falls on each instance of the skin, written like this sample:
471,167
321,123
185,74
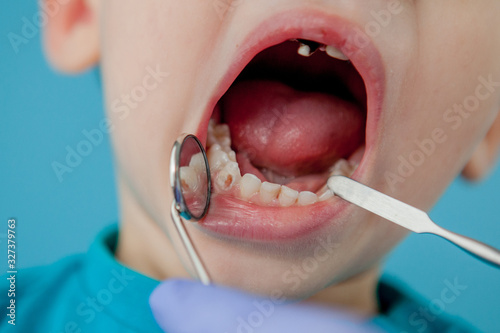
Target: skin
434,52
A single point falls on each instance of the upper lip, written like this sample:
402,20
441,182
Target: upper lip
327,29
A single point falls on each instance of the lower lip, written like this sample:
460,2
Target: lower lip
238,219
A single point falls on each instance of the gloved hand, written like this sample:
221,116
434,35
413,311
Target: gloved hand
186,306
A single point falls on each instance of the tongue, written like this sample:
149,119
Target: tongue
290,132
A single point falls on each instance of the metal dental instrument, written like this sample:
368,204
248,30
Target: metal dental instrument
406,216
190,204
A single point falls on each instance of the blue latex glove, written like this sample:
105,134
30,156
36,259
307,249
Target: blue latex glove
186,306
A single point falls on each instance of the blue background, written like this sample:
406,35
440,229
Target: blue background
43,112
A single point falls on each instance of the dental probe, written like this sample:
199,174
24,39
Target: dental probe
407,216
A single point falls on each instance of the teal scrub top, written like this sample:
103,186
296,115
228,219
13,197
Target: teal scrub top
93,292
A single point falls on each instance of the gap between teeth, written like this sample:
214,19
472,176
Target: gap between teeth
305,51
226,176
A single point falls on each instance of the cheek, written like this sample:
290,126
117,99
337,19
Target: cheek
148,78
449,95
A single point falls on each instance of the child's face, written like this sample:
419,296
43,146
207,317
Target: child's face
432,75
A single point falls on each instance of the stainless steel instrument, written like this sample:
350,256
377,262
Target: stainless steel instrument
190,205
406,216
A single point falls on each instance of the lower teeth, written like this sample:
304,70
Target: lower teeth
226,176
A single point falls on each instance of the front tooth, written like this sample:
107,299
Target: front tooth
189,178
304,50
228,176
335,53
249,185
197,163
217,158
307,198
325,196
269,192
287,196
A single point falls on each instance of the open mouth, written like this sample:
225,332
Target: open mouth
295,114
290,120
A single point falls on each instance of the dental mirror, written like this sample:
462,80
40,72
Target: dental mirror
191,184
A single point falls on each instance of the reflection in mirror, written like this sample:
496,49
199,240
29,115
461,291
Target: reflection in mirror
194,179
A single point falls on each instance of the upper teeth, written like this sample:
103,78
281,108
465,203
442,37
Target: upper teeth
306,50
335,53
